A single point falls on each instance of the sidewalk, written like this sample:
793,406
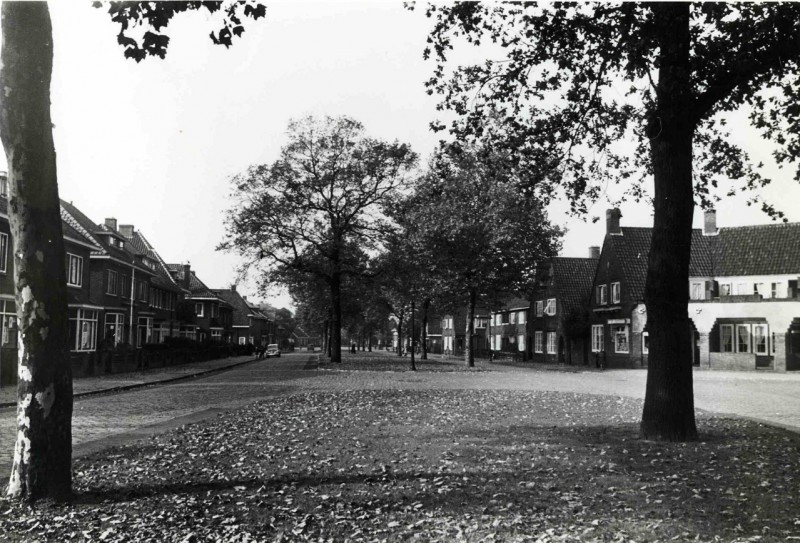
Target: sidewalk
87,386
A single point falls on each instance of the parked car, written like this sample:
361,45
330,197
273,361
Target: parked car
272,350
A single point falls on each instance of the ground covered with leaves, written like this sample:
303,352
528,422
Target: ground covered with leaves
430,466
391,362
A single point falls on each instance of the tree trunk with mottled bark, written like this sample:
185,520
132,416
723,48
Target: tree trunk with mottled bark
469,354
669,398
336,318
425,306
43,451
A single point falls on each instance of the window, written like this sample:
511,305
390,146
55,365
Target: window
74,270
111,286
645,342
760,288
144,331
3,252
742,338
242,340
726,338
8,313
537,342
760,339
619,333
512,317
601,295
724,289
480,323
743,288
126,287
521,343
115,328
696,291
551,343
597,338
216,334
198,309
212,310
504,318
614,293
498,342
550,307
4,186
142,291
521,317
83,329
774,290
539,308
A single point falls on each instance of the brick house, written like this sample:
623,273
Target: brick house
120,277
618,314
433,333
508,327
454,330
559,317
744,302
204,316
248,324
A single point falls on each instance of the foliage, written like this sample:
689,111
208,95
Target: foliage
574,80
473,228
142,24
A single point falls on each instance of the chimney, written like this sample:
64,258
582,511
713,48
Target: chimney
710,223
594,251
126,230
233,287
612,221
187,273
111,223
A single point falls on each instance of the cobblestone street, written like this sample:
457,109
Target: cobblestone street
770,397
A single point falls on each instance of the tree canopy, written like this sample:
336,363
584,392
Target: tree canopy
576,80
318,208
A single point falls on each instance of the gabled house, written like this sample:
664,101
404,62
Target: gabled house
559,317
744,302
120,281
160,321
204,315
618,335
249,324
508,327
454,331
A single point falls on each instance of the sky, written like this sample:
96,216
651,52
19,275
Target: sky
155,144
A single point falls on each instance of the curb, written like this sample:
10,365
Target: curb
125,388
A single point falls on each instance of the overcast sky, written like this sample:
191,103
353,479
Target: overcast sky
154,144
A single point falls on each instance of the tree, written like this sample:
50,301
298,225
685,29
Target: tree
43,450
480,237
317,209
578,79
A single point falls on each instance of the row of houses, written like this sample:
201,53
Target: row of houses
744,303
123,295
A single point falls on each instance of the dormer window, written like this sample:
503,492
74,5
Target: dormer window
3,186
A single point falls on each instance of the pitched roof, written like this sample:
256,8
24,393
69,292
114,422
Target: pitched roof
573,278
95,232
633,247
197,289
768,249
163,278
241,309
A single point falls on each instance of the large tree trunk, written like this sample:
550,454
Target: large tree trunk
669,399
469,355
43,450
336,318
413,363
425,306
400,335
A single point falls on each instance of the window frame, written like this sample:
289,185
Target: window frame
521,317
551,343
84,318
201,313
624,329
76,270
598,339
645,342
602,294
112,286
538,341
539,308
615,292
730,329
4,239
550,307
701,292
764,328
521,343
